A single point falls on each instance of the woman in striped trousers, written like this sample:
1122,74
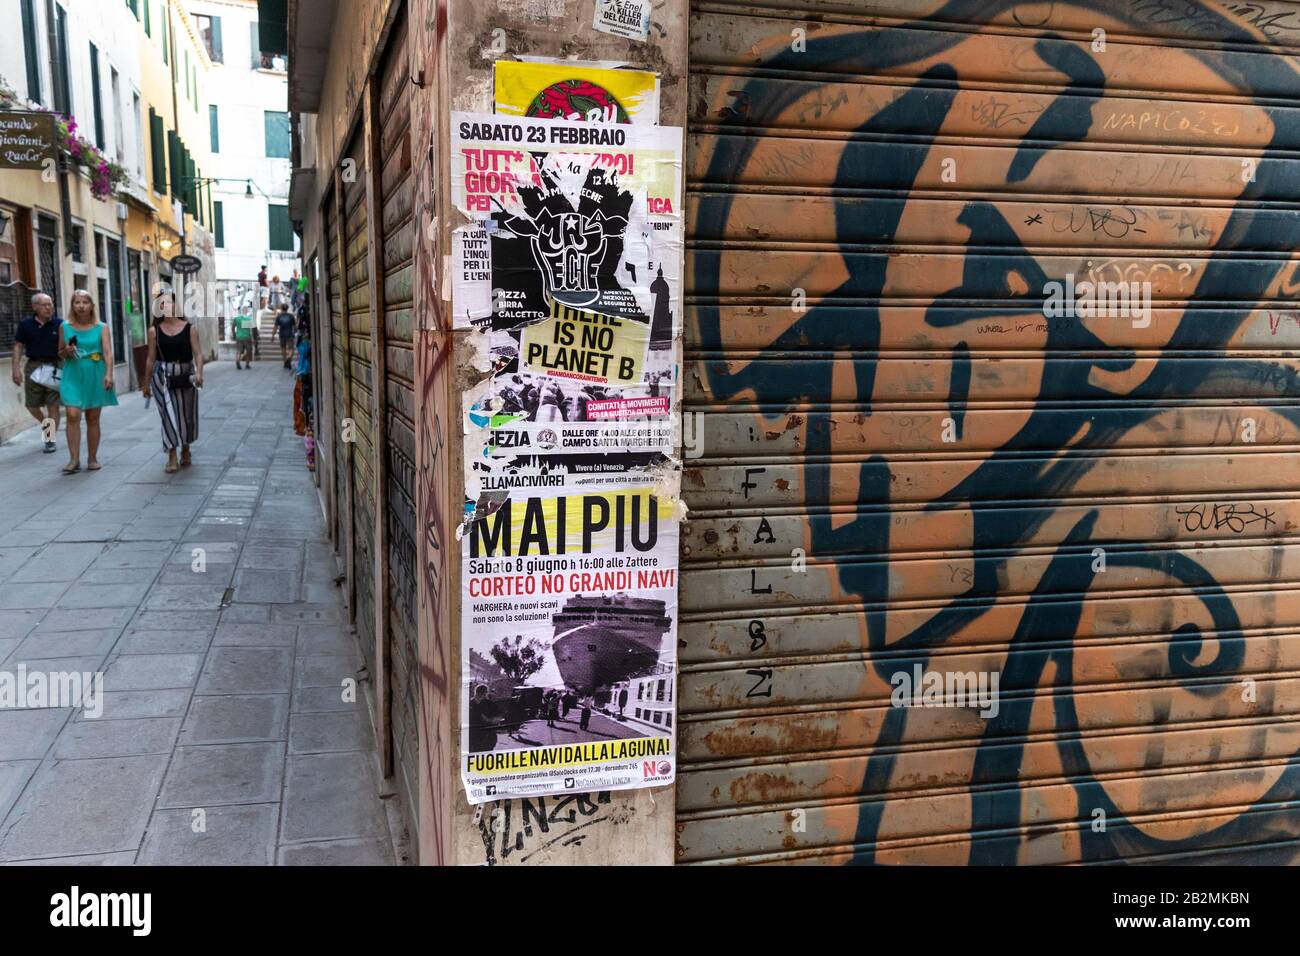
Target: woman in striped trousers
173,376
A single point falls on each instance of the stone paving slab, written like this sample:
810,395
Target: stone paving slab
83,806
220,836
322,799
237,719
222,678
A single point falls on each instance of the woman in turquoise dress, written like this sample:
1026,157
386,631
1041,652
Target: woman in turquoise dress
87,381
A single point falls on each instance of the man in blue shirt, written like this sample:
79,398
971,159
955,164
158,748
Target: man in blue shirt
37,337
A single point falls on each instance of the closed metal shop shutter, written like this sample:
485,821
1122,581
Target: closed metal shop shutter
907,468
356,237
339,370
397,191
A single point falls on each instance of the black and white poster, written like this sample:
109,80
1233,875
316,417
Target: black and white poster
572,484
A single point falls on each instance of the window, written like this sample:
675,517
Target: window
277,134
255,45
281,229
31,43
97,103
219,223
77,243
63,79
214,128
210,34
156,152
174,163
148,20
659,693
119,132
136,116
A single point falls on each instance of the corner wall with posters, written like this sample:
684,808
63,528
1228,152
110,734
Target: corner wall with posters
559,239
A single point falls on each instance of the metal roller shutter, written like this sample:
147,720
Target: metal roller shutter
338,369
356,238
397,204
1098,510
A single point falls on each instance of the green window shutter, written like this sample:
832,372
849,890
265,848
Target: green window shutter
219,223
148,20
166,40
134,6
199,205
30,47
96,96
277,134
157,151
281,229
214,128
187,179
218,55
174,163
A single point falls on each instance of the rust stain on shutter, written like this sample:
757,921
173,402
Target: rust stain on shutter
918,464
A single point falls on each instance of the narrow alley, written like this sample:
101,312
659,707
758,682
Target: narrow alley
207,599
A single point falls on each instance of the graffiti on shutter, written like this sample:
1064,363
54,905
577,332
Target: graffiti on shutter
991,367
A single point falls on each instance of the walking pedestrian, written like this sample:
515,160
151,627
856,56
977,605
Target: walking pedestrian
262,289
284,325
552,710
245,326
173,375
275,296
585,721
37,338
86,385
297,290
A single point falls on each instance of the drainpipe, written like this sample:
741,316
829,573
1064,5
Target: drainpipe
61,95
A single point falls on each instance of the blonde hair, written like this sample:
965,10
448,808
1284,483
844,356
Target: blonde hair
72,302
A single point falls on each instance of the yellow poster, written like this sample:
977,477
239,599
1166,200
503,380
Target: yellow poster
597,349
573,92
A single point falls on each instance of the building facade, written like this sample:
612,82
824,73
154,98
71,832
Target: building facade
129,76
250,143
926,462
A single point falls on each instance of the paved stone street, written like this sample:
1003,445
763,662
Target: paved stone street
223,687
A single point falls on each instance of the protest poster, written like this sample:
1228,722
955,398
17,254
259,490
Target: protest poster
575,91
569,644
570,532
623,18
585,249
471,295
